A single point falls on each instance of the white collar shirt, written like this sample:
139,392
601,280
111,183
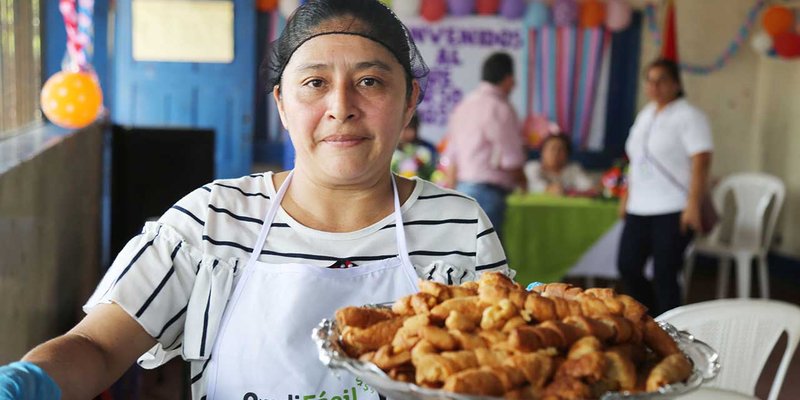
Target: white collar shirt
662,143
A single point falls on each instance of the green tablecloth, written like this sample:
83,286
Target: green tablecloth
545,235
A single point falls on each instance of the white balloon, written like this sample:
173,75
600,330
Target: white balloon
761,42
287,7
406,8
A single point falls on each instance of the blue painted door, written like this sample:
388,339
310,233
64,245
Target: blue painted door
218,96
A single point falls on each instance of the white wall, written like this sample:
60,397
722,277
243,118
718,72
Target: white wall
753,103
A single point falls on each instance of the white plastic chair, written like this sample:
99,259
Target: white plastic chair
743,332
751,235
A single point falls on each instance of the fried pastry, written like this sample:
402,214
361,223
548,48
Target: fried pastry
672,368
492,338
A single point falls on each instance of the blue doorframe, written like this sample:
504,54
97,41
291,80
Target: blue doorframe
191,95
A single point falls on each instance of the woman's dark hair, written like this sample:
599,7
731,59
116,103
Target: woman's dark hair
563,137
497,67
366,18
672,69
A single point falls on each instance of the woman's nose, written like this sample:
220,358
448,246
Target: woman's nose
341,103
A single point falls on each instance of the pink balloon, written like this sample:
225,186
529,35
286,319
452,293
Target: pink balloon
618,15
565,12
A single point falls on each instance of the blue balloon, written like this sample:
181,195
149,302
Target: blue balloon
537,15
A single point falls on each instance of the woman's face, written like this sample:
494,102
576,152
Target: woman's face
343,100
554,155
660,87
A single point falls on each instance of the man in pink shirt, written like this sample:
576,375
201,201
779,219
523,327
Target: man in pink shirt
485,150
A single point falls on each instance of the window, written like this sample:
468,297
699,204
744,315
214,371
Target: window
20,65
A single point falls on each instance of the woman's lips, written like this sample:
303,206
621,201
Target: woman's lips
344,140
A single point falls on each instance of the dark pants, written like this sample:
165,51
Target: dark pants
658,236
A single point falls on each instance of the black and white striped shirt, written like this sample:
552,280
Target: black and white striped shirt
211,232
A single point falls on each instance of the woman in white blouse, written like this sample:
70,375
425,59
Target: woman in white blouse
235,276
553,173
669,147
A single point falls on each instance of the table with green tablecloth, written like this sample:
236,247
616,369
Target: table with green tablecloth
544,236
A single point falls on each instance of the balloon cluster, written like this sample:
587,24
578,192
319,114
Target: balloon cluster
780,36
72,98
615,14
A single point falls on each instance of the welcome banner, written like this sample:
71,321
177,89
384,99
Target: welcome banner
454,49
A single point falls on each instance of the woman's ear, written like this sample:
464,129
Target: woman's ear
276,94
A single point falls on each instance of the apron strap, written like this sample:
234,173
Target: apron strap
273,210
402,248
400,232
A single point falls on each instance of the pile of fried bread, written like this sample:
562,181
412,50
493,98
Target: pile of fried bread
493,338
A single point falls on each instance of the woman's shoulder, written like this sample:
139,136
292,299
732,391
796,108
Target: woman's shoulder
252,187
686,108
431,195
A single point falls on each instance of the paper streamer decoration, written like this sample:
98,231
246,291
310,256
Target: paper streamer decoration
433,10
564,69
72,100
618,15
733,47
406,8
537,14
565,12
78,23
513,9
460,8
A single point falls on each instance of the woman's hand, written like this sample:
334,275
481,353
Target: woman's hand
690,217
623,205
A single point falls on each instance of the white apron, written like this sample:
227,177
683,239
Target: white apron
264,349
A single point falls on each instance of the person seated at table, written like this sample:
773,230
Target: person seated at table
553,173
414,156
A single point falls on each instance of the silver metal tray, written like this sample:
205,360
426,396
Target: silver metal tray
326,336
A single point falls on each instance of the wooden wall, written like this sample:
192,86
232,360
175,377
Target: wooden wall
49,241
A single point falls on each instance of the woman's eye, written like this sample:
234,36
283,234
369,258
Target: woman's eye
316,83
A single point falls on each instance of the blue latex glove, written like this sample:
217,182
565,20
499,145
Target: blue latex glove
533,285
26,381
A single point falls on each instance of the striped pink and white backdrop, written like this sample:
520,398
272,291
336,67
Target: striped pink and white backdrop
566,78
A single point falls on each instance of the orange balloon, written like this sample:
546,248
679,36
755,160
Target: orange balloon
72,99
266,5
592,14
778,19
